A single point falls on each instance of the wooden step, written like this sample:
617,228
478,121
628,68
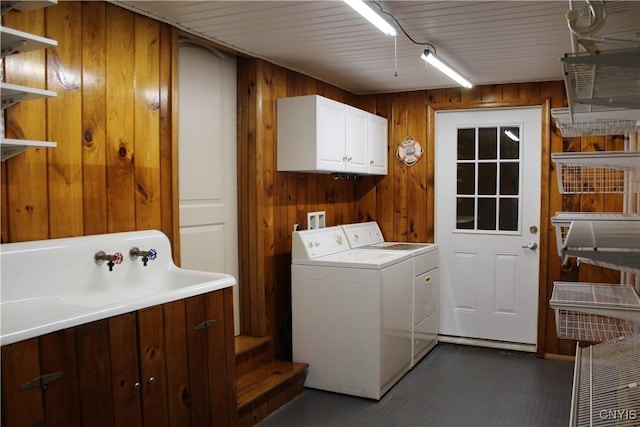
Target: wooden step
258,383
246,343
252,352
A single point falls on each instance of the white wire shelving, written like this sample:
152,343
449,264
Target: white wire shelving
605,384
562,222
596,121
597,172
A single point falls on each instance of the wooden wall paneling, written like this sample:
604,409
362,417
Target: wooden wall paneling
4,223
27,182
169,138
544,292
123,354
400,131
267,82
20,363
247,223
94,176
175,339
473,95
384,186
510,91
491,93
439,96
94,374
530,90
420,219
61,399
64,120
284,218
120,119
550,342
146,156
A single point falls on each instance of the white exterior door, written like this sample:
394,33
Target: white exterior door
487,213
207,162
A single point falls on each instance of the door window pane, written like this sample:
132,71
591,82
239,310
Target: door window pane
487,143
508,214
486,214
509,178
487,177
465,213
510,143
466,178
466,144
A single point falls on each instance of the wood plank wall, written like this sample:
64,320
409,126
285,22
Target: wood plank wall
111,120
114,168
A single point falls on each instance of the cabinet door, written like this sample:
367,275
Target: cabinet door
331,138
153,379
20,364
357,140
378,145
211,358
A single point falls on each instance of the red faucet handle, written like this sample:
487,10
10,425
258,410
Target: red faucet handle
117,258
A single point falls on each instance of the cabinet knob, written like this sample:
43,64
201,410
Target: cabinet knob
427,280
151,380
136,386
370,162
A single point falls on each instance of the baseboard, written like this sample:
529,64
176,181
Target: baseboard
503,345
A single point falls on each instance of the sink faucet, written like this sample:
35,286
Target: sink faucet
112,260
151,254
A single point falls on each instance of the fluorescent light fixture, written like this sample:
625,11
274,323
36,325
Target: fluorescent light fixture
364,10
432,59
511,135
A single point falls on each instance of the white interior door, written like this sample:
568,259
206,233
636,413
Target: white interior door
207,162
487,220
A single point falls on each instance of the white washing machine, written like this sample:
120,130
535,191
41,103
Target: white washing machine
425,280
351,313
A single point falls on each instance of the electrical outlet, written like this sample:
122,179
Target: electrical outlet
315,220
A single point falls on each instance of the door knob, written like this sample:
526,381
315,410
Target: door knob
532,245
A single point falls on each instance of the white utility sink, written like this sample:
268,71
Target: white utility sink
49,285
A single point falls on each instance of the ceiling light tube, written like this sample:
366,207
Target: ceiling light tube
364,10
432,59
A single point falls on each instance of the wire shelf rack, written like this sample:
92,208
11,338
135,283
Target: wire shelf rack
574,325
562,222
605,387
597,172
596,122
603,299
610,78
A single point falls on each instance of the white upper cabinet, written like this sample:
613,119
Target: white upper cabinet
378,135
316,134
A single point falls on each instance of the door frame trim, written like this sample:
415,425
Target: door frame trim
545,161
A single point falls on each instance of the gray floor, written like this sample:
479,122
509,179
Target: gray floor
452,386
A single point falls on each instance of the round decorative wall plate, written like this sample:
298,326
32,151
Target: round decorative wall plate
409,151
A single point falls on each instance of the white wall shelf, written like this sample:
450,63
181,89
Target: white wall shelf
596,121
14,41
25,6
13,147
12,94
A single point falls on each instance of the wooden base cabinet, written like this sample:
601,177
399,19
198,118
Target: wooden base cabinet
168,365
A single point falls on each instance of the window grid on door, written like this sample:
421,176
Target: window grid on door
488,174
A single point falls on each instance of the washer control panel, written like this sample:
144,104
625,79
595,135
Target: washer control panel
310,244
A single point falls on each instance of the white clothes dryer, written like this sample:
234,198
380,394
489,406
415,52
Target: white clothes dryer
425,281
351,318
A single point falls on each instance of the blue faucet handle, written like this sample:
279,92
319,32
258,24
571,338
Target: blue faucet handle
152,254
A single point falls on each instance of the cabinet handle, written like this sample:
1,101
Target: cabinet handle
349,158
344,158
42,381
136,386
370,162
427,280
206,324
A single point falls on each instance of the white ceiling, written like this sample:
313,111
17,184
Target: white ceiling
489,42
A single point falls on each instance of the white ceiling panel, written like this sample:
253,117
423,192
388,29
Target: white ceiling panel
489,42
